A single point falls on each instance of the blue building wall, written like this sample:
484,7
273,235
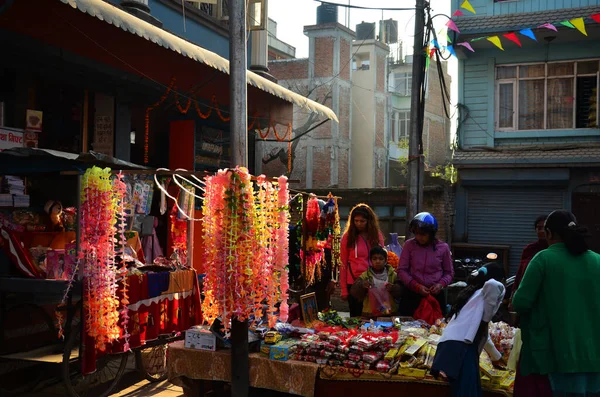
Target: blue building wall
489,7
477,92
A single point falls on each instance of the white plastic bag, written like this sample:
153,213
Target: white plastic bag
515,353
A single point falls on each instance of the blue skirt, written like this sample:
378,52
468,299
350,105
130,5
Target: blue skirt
460,362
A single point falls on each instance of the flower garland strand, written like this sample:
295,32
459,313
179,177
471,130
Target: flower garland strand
282,244
120,190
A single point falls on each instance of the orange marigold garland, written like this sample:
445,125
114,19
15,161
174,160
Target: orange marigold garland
393,259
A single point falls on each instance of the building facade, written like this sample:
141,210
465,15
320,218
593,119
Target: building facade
436,127
528,138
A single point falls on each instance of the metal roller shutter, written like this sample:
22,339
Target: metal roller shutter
506,215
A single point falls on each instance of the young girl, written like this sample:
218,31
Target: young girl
378,278
457,356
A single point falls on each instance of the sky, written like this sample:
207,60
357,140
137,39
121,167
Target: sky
292,15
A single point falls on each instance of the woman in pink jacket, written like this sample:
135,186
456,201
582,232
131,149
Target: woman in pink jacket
362,233
425,265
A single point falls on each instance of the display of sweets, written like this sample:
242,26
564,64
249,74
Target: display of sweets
502,335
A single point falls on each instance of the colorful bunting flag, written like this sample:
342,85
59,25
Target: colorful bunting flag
467,6
451,50
427,61
596,17
435,43
431,52
448,39
528,33
495,40
513,37
579,25
467,46
548,26
567,24
452,25
478,38
458,13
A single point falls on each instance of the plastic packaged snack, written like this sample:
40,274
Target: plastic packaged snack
349,364
354,357
329,346
335,340
371,357
382,366
364,365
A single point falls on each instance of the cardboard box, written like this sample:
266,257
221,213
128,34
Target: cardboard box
281,350
265,348
200,339
412,372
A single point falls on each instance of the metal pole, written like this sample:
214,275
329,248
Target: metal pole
240,370
415,157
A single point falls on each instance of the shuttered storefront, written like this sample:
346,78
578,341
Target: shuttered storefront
505,216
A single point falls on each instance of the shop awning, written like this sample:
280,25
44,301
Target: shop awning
129,23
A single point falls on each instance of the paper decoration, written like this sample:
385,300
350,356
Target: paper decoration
567,24
528,33
596,17
495,40
451,50
435,43
548,26
452,25
448,39
478,38
467,46
467,6
579,25
458,13
431,52
427,62
513,37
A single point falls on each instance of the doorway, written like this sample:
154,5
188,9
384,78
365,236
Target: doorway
586,208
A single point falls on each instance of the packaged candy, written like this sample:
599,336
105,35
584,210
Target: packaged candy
356,349
354,356
364,365
343,349
340,356
329,346
324,335
335,340
349,364
391,354
335,363
316,345
371,357
309,358
321,361
310,337
382,366
325,353
312,351
303,344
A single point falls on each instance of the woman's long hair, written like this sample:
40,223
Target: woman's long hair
474,283
564,224
372,225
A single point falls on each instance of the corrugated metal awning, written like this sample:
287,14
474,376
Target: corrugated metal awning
129,23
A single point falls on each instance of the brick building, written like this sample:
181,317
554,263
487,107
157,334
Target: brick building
322,158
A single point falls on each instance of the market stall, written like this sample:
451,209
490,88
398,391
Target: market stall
296,349
80,271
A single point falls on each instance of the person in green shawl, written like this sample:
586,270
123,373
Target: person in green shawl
559,307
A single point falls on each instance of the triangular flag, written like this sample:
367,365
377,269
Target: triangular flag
451,50
548,26
427,61
467,6
448,39
528,33
431,52
567,24
452,25
579,25
596,17
495,40
458,13
435,43
513,37
478,38
467,46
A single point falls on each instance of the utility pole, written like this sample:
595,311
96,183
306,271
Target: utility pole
238,130
415,151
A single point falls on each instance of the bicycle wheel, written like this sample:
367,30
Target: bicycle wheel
152,362
109,370
28,327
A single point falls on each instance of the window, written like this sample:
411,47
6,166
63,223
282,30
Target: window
402,83
547,96
400,126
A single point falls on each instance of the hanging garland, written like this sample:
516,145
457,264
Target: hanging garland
100,203
121,193
314,254
245,231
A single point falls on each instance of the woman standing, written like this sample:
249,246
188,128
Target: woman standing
425,265
362,233
558,305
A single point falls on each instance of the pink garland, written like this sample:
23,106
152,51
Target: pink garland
282,244
120,190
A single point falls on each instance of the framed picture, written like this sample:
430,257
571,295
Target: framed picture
310,312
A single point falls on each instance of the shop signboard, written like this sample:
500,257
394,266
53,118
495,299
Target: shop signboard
10,138
104,134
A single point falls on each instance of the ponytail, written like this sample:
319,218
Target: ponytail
575,239
573,235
